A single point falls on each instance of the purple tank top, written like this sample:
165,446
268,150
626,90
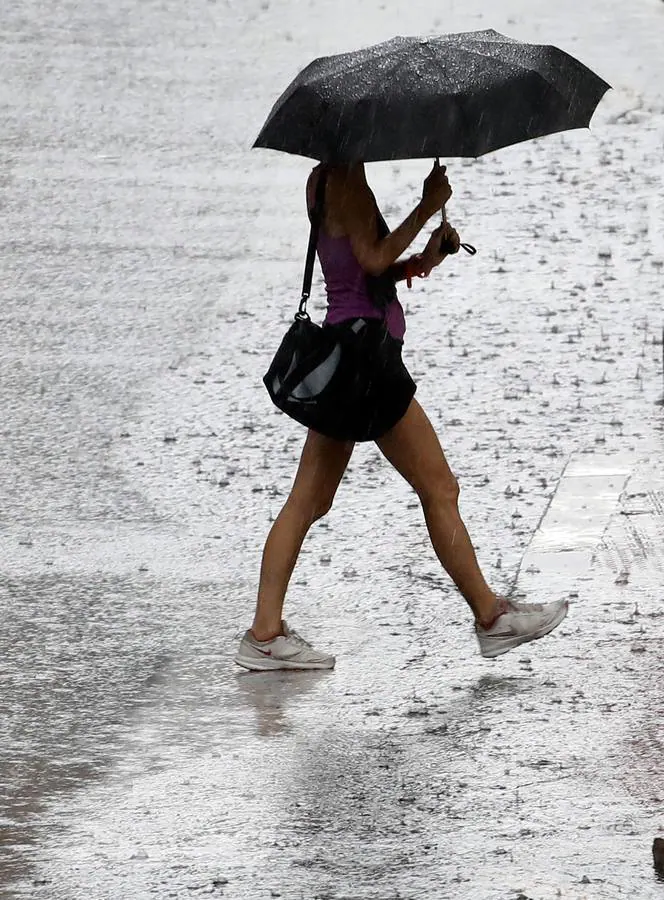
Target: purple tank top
346,287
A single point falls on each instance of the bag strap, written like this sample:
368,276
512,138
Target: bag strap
316,218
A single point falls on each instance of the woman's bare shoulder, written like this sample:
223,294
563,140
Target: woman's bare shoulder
334,192
349,202
349,199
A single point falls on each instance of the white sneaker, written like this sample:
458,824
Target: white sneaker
520,623
286,651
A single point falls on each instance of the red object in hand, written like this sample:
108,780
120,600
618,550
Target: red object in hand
415,268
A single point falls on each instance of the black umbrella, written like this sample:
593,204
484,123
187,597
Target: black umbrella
455,95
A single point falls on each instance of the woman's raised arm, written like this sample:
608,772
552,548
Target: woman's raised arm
354,208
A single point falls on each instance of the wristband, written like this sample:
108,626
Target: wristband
414,267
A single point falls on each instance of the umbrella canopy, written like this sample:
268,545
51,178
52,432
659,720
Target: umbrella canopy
455,95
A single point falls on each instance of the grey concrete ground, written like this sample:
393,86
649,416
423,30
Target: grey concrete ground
150,262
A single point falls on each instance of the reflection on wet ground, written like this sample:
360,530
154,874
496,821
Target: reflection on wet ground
82,663
271,698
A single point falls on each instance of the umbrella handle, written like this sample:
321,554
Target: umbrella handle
446,246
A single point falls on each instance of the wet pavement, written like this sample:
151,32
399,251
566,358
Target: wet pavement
150,261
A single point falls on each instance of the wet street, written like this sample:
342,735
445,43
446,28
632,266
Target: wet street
150,263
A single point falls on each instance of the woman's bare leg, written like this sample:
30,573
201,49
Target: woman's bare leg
322,465
413,448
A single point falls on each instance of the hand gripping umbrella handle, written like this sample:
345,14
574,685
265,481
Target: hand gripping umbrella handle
446,246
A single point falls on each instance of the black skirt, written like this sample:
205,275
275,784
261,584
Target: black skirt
374,387
356,386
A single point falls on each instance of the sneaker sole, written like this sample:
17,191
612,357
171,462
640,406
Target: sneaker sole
271,664
500,645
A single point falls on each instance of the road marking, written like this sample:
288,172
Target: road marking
572,526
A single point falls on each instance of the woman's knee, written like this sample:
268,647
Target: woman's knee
440,489
321,508
310,509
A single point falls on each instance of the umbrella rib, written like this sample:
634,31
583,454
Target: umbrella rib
350,67
521,66
503,63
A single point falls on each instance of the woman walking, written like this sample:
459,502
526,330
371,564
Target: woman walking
360,260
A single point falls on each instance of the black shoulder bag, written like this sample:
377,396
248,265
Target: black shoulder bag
308,356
